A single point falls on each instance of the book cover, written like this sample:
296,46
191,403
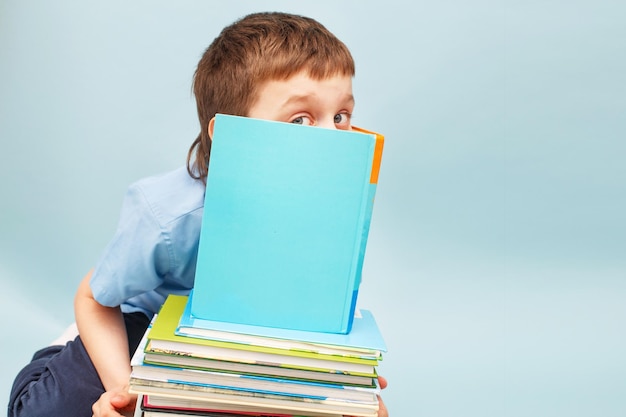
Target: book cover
284,230
163,339
281,371
250,382
252,357
166,397
202,397
364,340
154,406
141,360
207,370
255,384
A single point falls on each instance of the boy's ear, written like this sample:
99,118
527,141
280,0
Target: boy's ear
211,127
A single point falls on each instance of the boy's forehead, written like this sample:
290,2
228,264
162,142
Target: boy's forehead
297,98
301,86
276,99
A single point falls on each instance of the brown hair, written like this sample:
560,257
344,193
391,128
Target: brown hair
258,48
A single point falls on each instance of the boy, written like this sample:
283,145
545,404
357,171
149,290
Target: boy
272,66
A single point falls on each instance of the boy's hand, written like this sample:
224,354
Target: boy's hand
115,404
382,410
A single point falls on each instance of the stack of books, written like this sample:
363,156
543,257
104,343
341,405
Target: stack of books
224,369
271,327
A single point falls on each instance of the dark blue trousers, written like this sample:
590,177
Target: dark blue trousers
61,381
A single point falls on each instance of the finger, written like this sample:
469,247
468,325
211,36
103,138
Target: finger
105,406
382,381
120,400
382,409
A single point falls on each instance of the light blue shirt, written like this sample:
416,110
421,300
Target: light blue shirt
154,250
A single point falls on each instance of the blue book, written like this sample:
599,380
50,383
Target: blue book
364,336
285,224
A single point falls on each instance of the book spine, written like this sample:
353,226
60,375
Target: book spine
143,386
361,252
370,193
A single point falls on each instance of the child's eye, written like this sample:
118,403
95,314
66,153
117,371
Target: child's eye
342,119
302,120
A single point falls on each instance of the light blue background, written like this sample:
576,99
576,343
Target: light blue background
495,264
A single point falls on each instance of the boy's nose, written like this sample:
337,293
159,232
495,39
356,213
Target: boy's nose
328,123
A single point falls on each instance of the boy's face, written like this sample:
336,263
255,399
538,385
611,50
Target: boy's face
303,100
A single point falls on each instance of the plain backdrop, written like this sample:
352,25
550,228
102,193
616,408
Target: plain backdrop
495,266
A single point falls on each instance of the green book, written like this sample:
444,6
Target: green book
162,339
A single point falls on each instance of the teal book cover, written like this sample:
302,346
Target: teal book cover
285,224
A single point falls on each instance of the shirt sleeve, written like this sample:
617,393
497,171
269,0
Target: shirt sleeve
138,257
